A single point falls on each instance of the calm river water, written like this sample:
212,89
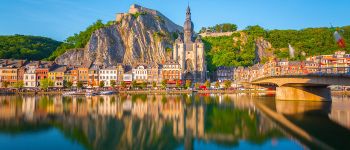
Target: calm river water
172,122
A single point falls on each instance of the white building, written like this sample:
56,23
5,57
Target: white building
107,75
139,73
29,77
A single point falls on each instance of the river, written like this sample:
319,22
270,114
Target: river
186,121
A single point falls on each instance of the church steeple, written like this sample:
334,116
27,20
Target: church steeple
188,26
188,13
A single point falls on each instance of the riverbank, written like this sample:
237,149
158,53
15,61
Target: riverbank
340,93
191,91
334,93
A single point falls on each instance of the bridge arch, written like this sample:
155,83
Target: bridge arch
303,87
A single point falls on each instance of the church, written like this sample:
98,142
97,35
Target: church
189,53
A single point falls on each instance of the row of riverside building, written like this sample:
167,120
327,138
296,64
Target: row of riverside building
32,72
337,63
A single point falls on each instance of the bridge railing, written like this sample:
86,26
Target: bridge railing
315,71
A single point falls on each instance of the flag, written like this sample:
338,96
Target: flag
339,39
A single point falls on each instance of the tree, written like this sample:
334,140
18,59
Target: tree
188,84
113,83
67,84
225,27
19,84
154,84
178,83
80,84
164,83
256,31
77,40
227,84
102,84
134,84
207,84
143,85
5,84
46,83
26,47
123,84
217,84
203,30
196,85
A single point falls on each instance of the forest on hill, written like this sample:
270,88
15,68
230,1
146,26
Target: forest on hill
235,50
26,47
239,48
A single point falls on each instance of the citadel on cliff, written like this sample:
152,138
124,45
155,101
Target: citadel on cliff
188,51
135,48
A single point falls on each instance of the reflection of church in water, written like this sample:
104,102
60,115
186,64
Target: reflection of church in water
189,53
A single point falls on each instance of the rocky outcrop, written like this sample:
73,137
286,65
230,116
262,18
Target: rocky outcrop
263,50
71,57
137,37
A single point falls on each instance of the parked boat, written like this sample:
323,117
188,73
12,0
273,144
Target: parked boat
69,93
107,92
90,94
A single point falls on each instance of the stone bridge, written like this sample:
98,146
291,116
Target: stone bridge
303,87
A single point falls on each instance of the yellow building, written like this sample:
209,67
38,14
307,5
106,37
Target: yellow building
56,74
83,75
93,76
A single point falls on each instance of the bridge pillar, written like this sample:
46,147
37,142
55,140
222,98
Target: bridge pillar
310,93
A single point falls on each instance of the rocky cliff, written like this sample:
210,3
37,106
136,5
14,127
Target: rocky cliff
263,50
73,56
141,36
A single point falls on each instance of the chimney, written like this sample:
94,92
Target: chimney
22,62
6,62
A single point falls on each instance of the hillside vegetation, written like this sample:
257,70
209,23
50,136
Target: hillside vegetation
26,47
78,40
239,49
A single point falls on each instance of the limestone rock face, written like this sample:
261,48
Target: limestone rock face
142,37
71,57
262,50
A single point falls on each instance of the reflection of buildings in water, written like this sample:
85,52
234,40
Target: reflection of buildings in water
173,110
187,121
110,106
340,112
195,121
300,107
7,108
57,105
28,107
139,109
79,107
127,105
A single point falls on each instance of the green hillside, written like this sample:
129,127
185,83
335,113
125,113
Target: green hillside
239,49
26,47
78,40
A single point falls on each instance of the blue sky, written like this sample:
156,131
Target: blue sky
59,19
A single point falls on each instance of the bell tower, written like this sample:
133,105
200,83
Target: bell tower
188,27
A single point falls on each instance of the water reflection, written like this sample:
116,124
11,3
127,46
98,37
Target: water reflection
340,112
328,123
146,121
302,107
